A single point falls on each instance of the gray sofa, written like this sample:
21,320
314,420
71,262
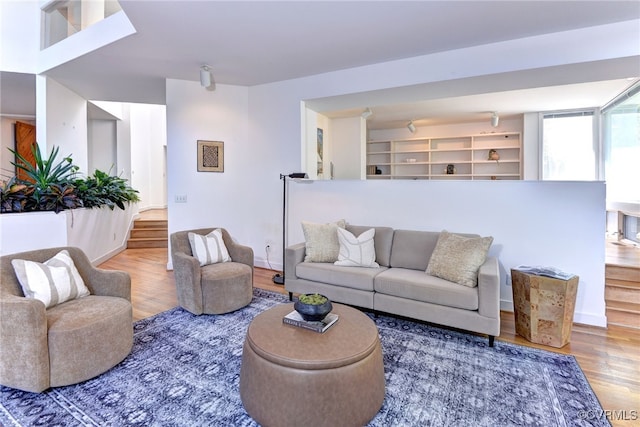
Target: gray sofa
400,286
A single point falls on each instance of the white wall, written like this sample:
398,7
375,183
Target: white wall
558,224
531,146
233,199
61,121
348,137
20,35
450,130
148,136
102,147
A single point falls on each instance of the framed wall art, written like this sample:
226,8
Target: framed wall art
210,156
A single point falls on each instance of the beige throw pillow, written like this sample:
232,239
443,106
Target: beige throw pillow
457,258
209,249
52,282
321,241
356,251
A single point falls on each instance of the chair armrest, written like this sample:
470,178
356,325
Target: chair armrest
489,289
241,253
294,255
111,283
24,348
186,271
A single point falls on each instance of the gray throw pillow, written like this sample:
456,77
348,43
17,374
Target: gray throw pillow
457,258
321,241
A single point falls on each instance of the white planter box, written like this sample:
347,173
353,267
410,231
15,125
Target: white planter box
99,232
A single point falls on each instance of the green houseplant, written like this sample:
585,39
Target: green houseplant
103,189
52,185
14,195
50,180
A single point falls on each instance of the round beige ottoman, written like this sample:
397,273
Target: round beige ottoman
293,377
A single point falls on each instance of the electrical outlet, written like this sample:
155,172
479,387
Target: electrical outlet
181,198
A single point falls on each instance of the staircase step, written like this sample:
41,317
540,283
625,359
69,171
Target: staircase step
622,284
147,243
139,233
622,294
150,223
617,272
622,317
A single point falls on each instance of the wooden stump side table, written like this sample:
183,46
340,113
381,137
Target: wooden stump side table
543,307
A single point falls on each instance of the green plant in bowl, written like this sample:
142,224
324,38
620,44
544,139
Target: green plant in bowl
313,307
313,299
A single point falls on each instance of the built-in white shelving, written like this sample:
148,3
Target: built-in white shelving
435,158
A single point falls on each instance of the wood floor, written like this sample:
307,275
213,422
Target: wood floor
610,358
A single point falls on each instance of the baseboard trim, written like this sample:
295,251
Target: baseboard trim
578,317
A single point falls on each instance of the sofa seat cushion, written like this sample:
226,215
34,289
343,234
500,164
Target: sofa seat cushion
348,277
88,336
419,286
227,271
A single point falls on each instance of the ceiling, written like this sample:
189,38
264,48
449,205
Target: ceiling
256,42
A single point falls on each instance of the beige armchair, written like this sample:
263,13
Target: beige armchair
70,342
214,288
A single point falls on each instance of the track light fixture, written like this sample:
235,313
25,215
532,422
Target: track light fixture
495,119
205,76
411,127
366,113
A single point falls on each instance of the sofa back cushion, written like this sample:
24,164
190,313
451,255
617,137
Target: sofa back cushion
413,249
382,241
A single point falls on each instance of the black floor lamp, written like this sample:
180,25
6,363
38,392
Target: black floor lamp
279,278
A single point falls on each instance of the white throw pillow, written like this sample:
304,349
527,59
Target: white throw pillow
52,282
357,251
209,249
321,241
458,258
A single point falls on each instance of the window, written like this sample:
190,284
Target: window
568,146
621,146
631,228
63,18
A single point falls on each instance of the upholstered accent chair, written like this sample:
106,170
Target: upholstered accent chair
215,288
66,343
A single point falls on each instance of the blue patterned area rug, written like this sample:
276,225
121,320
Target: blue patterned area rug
184,371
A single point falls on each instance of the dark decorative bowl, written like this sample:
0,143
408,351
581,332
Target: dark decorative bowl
313,312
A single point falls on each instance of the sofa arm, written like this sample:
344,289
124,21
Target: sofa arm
294,255
489,289
111,283
186,271
24,348
240,253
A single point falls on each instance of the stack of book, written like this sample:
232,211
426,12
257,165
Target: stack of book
295,319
